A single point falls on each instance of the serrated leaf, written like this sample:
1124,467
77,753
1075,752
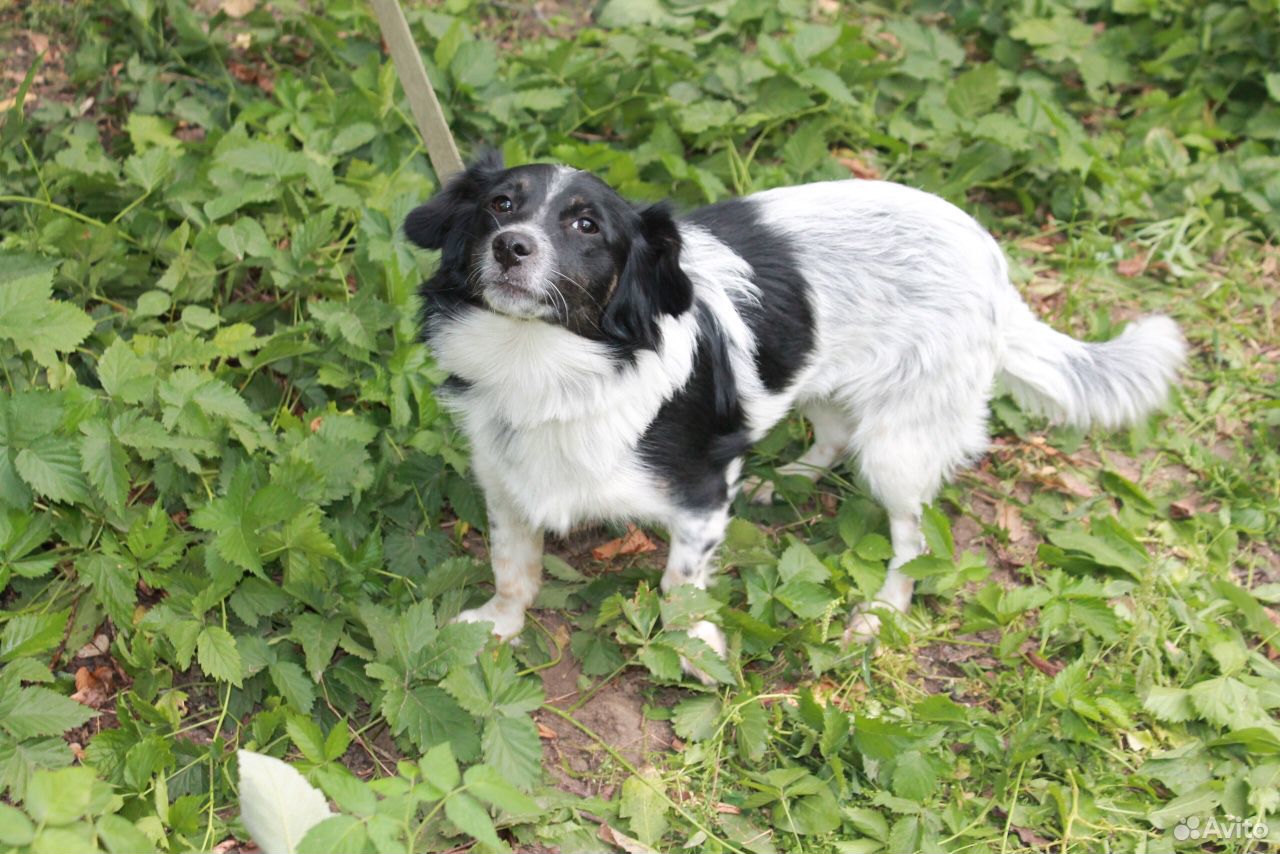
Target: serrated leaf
51,466
294,686
472,819
643,805
913,776
35,711
512,746
696,719
307,737
277,805
318,638
104,463
490,785
429,716
217,654
32,634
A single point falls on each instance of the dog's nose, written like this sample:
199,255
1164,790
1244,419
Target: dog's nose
511,247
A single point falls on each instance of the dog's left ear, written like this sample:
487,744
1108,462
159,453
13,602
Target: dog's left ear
430,225
651,284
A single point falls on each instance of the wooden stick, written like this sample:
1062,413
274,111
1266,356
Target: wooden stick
422,97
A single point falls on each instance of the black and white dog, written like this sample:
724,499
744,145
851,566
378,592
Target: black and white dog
611,362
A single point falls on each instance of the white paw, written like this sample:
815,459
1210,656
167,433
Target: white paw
758,491
714,637
863,626
507,621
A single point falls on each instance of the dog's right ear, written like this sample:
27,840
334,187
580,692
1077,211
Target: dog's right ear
430,225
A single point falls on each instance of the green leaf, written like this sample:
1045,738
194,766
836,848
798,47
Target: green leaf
472,819
51,466
490,785
103,461
643,805
805,599
440,768
62,796
294,686
1226,702
429,716
235,533
36,711
318,638
114,582
975,92
914,777
696,719
752,731
32,634
511,745
337,834
216,651
307,737
828,83
16,829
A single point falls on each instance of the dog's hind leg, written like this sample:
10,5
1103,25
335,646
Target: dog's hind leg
832,431
696,536
905,454
516,553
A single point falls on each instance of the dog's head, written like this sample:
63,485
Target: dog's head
557,245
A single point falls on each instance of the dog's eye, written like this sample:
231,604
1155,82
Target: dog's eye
586,226
502,204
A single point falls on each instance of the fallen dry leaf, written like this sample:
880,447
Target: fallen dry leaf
1009,517
546,732
238,8
1075,485
39,41
7,103
98,646
1030,837
1048,668
1130,267
856,164
617,838
93,687
634,542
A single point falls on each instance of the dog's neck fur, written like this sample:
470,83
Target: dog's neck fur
530,373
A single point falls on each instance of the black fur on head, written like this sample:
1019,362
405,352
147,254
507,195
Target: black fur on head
556,245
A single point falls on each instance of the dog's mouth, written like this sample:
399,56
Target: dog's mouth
513,297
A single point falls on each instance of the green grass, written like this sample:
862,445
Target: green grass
232,514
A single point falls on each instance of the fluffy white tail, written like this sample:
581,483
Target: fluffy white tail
1111,383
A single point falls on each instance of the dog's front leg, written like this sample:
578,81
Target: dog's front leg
515,548
695,538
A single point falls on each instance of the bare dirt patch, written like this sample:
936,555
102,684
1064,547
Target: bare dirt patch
575,761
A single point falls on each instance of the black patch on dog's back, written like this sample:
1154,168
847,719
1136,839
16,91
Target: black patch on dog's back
701,428
782,322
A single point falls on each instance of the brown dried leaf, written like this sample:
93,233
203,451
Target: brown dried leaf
618,839
1130,267
634,542
98,646
1048,668
93,687
1075,485
1030,838
238,8
1009,517
546,732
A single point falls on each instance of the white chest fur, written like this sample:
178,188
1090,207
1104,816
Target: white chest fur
555,420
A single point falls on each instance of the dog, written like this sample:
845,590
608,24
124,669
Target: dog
614,362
